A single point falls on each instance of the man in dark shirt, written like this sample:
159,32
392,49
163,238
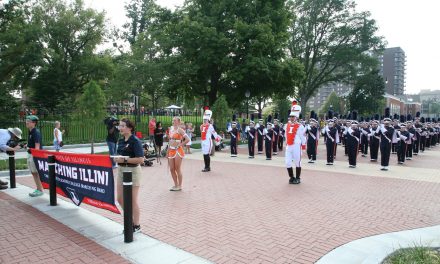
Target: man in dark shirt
112,136
34,142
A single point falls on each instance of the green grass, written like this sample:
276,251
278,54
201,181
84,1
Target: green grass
20,164
415,255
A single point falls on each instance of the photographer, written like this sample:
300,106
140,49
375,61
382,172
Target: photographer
9,143
112,136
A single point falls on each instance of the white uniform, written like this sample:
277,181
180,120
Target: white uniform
293,147
207,130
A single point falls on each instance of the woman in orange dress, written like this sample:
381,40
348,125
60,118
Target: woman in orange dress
177,139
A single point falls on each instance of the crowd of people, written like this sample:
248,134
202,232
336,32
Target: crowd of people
404,136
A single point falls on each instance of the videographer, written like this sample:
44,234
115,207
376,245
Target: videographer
112,136
9,143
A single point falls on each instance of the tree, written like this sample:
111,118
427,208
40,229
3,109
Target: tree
69,35
367,94
221,47
282,106
91,108
333,102
221,112
19,50
331,40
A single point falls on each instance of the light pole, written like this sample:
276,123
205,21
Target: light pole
247,94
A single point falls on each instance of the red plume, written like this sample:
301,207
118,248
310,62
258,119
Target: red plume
206,108
294,103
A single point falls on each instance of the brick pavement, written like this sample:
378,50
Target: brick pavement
29,236
247,213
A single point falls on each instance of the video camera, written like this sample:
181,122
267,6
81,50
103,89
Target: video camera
13,143
111,120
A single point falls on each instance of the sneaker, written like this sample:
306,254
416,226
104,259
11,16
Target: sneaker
268,159
384,168
3,187
275,153
3,182
206,169
292,180
136,229
175,189
352,166
36,193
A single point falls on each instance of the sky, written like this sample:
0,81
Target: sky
411,25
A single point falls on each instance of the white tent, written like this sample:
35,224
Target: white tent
173,107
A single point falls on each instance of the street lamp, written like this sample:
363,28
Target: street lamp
247,94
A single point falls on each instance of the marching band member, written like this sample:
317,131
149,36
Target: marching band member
386,133
312,133
207,130
374,138
276,133
235,136
353,135
330,134
260,134
295,142
268,138
251,135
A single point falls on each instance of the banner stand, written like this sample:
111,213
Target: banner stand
52,180
128,206
12,171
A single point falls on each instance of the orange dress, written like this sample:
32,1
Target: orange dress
173,151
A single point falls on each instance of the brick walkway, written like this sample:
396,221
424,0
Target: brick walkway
29,236
247,213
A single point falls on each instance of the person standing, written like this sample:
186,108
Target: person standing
374,140
418,131
58,137
177,139
276,133
260,134
330,133
365,131
189,132
34,142
352,140
151,127
412,138
268,138
207,130
251,135
281,136
312,138
235,136
112,136
402,136
386,134
158,137
130,147
295,143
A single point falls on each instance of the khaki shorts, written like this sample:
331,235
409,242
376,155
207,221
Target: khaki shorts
136,174
31,164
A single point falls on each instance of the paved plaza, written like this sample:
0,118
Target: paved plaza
244,210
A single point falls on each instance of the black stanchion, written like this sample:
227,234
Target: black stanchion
12,171
128,206
52,180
